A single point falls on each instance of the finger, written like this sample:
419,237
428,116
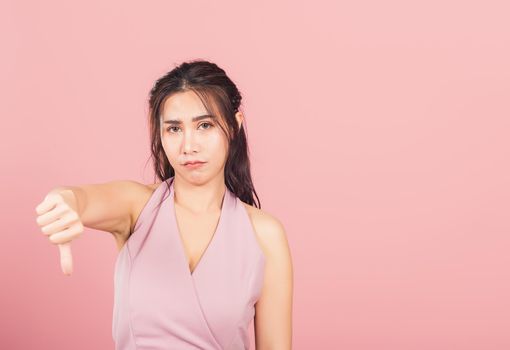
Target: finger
47,204
67,235
60,221
55,213
66,259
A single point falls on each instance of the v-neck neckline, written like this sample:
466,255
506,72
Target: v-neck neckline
214,238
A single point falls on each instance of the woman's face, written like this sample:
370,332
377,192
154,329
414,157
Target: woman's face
185,139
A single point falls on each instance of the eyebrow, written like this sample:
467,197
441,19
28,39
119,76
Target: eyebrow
194,119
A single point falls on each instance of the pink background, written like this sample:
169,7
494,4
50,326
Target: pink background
379,135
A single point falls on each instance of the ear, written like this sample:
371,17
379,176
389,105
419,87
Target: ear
239,118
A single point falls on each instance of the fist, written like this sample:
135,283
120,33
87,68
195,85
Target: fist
58,218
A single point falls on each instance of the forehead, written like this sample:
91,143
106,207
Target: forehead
183,106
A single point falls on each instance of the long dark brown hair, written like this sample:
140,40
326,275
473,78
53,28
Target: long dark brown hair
221,98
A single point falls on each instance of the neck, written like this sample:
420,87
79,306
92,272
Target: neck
199,199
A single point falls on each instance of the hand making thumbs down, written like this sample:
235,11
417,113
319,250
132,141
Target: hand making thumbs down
58,218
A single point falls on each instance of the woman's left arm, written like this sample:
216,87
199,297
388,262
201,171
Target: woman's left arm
273,310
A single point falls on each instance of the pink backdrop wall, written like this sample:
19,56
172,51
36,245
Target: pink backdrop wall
379,135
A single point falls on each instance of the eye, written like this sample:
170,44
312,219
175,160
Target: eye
210,125
170,128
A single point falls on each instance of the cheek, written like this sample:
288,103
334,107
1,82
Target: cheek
213,143
170,142
217,143
169,150
214,138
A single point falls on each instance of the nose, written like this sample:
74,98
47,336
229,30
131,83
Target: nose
189,142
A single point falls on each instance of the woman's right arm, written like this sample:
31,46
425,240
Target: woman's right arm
106,206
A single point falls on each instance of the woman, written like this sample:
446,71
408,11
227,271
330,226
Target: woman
198,260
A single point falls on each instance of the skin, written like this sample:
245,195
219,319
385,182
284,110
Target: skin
198,200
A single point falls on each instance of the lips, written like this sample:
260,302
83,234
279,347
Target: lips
193,162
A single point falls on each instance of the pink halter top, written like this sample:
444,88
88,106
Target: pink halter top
159,304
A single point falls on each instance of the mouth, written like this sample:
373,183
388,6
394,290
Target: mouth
193,165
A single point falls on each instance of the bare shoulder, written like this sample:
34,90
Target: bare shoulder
273,309
144,193
153,187
269,231
140,194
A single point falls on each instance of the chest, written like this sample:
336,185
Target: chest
196,233
158,299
